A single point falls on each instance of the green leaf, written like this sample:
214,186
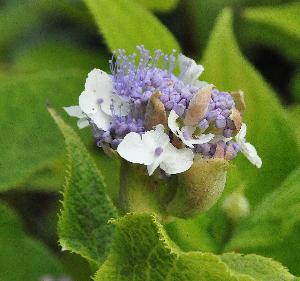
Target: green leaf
273,229
269,129
29,139
192,234
260,268
275,26
295,86
83,224
158,5
21,257
51,55
142,251
126,25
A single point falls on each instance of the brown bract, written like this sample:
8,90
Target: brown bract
198,106
237,119
155,112
238,97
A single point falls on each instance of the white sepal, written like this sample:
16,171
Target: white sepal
143,150
247,148
186,131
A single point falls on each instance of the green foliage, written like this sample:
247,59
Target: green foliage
29,140
142,251
21,257
295,86
228,69
126,32
158,5
83,225
53,55
275,224
274,26
192,234
260,268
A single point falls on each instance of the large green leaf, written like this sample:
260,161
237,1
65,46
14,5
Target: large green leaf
142,251
52,55
268,127
274,227
260,268
158,5
83,225
126,24
21,257
29,139
295,86
192,234
275,26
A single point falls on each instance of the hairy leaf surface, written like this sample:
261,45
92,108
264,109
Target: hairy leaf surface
83,224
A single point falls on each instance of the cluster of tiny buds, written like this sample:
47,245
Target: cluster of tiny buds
138,81
136,77
218,114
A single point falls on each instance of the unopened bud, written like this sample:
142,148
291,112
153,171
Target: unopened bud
236,207
199,187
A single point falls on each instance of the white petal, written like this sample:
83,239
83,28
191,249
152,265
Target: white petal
194,70
100,83
101,120
172,123
176,160
155,138
88,102
240,137
74,111
186,129
120,107
200,84
82,123
133,150
152,167
250,152
204,138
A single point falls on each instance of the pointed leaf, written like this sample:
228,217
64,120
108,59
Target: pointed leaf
260,268
142,251
83,224
275,26
126,24
158,5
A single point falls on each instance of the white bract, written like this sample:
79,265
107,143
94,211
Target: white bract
191,71
154,149
97,101
247,148
186,132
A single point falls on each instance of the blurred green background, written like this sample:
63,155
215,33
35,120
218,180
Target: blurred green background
46,49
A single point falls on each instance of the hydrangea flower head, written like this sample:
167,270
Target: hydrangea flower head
152,116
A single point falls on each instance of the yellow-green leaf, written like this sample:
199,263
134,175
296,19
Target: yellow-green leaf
127,24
